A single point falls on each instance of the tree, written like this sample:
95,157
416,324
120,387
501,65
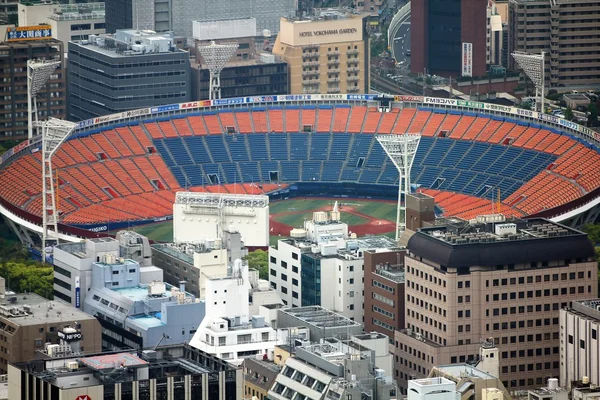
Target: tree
526,105
593,231
569,114
28,276
593,117
259,260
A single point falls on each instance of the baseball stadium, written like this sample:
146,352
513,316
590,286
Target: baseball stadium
123,170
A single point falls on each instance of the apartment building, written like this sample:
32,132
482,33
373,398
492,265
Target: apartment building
326,54
567,30
492,279
579,343
51,99
384,291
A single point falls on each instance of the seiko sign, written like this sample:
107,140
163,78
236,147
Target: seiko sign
69,337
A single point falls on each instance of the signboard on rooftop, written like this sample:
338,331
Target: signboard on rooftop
36,32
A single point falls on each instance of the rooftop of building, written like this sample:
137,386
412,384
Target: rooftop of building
586,308
319,317
464,371
392,272
31,309
141,292
492,240
260,372
438,380
119,367
576,97
81,11
327,14
371,336
132,43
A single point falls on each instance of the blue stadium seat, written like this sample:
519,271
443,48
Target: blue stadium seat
339,146
311,171
237,147
231,173
194,174
197,148
217,148
266,167
258,147
180,154
290,171
331,171
377,155
298,146
369,176
319,146
162,150
250,172
278,143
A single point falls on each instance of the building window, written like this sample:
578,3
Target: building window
284,290
284,277
273,272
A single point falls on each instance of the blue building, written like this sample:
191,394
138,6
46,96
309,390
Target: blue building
139,315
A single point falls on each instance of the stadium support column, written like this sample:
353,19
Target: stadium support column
401,149
533,65
215,57
54,132
38,73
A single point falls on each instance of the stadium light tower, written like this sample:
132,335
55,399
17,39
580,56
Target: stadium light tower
38,73
401,149
216,56
54,132
534,67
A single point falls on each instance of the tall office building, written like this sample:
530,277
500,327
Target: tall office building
567,30
327,54
177,15
51,100
491,279
448,37
126,71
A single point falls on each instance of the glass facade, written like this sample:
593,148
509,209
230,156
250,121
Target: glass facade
311,280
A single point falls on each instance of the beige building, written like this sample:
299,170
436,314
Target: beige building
29,321
579,343
328,54
504,281
567,30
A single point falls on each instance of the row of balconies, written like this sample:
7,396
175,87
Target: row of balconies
310,73
310,81
310,63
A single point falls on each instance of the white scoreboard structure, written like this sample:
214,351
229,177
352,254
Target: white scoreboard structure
201,216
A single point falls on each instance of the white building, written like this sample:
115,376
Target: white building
579,342
197,216
432,389
69,22
332,263
329,370
228,330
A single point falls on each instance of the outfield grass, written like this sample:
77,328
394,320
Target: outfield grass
297,220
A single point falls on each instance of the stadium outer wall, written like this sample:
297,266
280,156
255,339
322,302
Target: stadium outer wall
574,213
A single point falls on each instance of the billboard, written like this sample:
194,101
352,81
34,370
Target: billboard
36,32
77,292
467,59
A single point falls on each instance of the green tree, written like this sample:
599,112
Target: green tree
526,105
593,117
569,114
259,260
28,276
593,231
